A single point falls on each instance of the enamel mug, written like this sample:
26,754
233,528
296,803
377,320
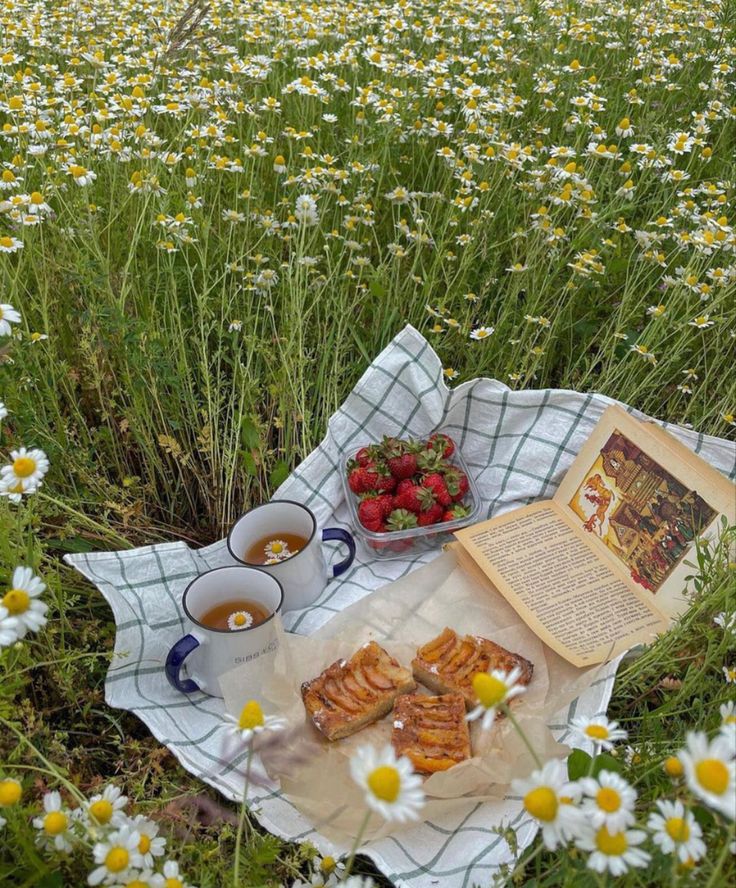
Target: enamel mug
303,575
208,653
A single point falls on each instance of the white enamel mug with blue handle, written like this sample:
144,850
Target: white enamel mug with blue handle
206,653
303,575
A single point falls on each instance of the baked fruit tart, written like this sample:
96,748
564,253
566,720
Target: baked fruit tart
431,731
350,694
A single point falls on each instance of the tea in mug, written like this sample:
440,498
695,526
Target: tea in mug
235,615
274,548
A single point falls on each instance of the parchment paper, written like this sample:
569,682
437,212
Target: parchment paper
402,616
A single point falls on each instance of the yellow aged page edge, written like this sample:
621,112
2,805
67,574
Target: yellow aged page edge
467,550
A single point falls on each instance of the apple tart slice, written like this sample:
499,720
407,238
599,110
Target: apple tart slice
431,731
351,694
448,663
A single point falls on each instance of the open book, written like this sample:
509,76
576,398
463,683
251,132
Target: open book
600,567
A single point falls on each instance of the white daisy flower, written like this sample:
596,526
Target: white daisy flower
727,622
10,794
710,771
116,856
326,873
239,620
252,721
14,490
21,601
235,326
551,798
82,176
391,786
151,844
8,628
482,333
148,879
8,316
614,852
107,807
609,801
675,830
599,730
729,673
172,876
10,244
26,469
277,549
54,826
3,411
492,689
728,719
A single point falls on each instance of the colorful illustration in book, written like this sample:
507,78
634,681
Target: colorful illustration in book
642,513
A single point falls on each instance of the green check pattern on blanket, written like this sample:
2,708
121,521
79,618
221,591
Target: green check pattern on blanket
518,445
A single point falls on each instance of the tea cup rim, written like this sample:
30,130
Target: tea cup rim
248,567
243,563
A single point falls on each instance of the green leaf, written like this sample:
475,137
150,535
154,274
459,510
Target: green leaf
51,880
578,764
249,434
250,464
605,762
279,474
377,289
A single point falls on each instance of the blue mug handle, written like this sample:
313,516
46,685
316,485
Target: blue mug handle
342,536
175,660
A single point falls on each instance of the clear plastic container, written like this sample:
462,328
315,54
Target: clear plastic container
395,543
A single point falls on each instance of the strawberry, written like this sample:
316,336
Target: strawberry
356,478
370,514
407,497
442,443
431,515
436,483
456,511
457,483
377,477
430,460
400,457
386,502
401,519
366,455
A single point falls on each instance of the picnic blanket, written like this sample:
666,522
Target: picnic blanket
518,445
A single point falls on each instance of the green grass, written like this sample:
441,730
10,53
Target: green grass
162,423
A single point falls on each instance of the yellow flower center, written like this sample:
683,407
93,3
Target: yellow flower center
117,859
6,241
54,822
10,792
251,716
673,766
542,803
729,720
16,601
608,799
385,783
101,810
276,547
239,619
24,466
712,775
677,829
611,844
136,883
173,883
489,690
328,864
144,846
597,732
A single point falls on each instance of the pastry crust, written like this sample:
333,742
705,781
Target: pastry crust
448,663
352,693
431,731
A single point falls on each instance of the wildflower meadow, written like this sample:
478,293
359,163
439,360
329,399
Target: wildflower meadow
212,217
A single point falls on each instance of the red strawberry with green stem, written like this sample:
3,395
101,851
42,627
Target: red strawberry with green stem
408,497
371,515
456,511
443,444
401,519
435,482
367,455
431,515
401,457
457,483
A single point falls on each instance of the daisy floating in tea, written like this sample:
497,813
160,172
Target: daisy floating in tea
272,550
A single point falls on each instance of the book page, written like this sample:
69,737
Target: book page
642,499
579,604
